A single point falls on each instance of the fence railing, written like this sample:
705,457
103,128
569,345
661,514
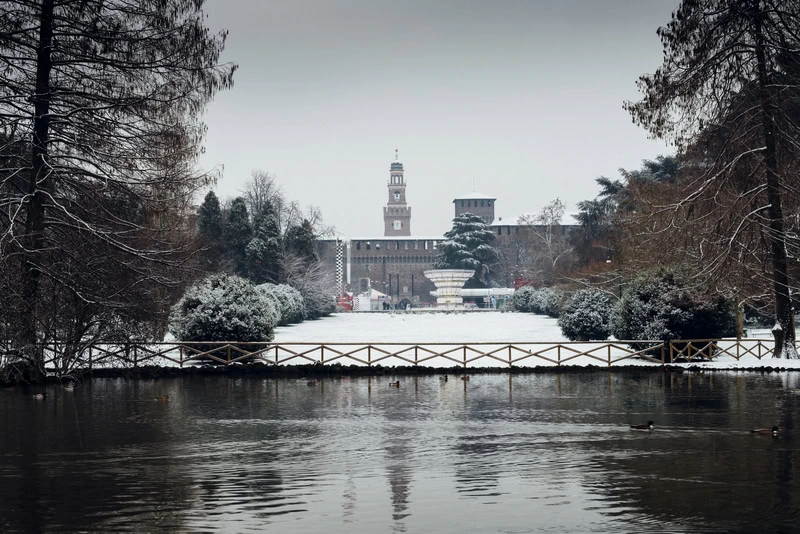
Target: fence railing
436,354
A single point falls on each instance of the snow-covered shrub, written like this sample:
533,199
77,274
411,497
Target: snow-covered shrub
546,301
270,296
223,307
522,297
289,299
654,306
586,316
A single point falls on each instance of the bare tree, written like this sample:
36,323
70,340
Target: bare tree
103,97
545,242
729,87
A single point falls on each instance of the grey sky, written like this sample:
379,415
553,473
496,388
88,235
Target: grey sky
525,96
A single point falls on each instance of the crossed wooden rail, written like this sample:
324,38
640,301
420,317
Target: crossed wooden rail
368,354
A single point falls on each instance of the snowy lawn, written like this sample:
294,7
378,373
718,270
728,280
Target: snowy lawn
423,328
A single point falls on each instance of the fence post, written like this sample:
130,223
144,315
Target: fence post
509,357
322,354
558,354
416,355
180,354
228,351
369,355
465,357
671,354
663,351
609,354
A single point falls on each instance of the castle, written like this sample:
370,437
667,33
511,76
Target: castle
395,262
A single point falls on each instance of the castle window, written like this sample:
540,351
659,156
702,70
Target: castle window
499,230
462,203
368,245
481,203
405,245
358,245
489,202
397,225
416,245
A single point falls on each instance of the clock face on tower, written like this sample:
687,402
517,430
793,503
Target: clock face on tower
397,195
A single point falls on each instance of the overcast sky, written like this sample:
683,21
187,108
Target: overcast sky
524,96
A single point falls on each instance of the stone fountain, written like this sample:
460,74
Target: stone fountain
449,283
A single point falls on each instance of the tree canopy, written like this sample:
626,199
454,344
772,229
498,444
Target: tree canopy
728,96
101,99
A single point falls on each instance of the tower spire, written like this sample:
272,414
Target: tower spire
396,154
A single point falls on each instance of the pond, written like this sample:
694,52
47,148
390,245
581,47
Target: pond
496,453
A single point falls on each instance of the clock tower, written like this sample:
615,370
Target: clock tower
396,214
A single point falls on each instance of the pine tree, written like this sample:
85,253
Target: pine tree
264,250
106,96
209,227
300,241
238,233
468,245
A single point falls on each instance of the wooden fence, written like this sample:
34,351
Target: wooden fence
607,353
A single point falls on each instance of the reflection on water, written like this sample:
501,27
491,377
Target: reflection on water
549,453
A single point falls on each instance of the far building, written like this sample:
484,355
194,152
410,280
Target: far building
393,264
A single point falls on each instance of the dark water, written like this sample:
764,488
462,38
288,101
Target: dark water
536,453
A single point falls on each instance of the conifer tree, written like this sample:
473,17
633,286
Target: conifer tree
468,245
106,96
209,227
264,250
238,233
300,241
730,79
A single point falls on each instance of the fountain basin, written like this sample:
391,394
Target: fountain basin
449,283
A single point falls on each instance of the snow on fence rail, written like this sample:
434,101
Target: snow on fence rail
485,354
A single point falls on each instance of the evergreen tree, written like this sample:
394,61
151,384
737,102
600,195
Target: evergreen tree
468,245
238,233
264,250
209,227
106,96
300,241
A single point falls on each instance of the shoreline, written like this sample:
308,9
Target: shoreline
259,370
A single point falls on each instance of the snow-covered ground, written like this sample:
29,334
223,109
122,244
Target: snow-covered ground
423,328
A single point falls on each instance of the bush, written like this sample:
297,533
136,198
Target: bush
546,301
587,316
655,306
223,307
542,301
290,302
522,297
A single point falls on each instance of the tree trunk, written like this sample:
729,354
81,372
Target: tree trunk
38,182
740,320
784,314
